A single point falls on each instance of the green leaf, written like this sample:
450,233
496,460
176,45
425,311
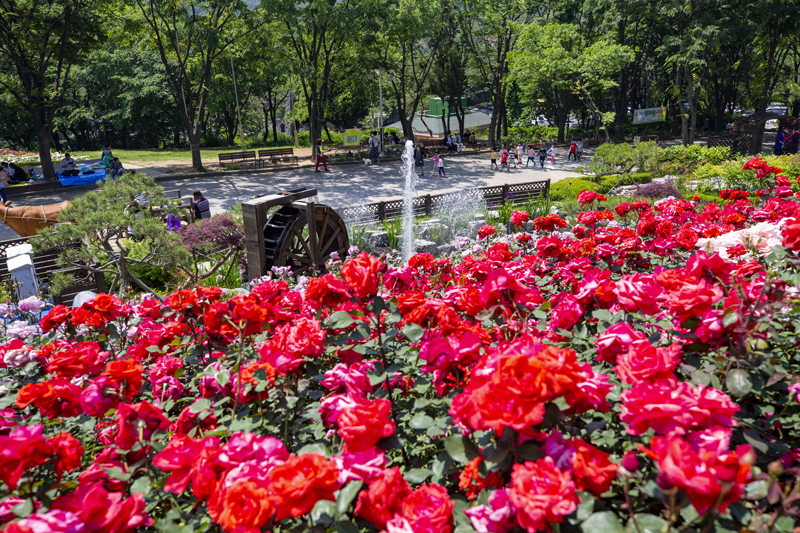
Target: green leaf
417,475
340,320
23,509
754,439
730,319
648,523
200,405
413,331
346,496
460,448
315,447
141,485
421,422
738,382
222,377
344,526
603,522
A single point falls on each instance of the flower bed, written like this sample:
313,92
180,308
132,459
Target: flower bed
605,377
27,159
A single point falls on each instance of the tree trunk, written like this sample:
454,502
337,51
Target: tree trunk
492,126
692,103
43,139
274,115
621,103
194,144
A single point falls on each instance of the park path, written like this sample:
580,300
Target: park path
344,186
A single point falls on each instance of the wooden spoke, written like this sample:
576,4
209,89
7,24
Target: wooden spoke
302,258
321,236
302,241
330,241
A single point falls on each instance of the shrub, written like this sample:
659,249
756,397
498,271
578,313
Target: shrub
659,189
570,188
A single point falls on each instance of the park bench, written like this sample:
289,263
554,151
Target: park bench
272,155
237,158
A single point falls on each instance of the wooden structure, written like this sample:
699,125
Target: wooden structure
495,195
275,154
45,264
237,158
287,238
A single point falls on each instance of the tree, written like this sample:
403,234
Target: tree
317,34
190,38
102,220
42,42
587,67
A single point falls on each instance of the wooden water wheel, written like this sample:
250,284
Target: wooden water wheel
288,241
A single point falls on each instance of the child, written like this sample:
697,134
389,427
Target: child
531,153
439,162
553,153
573,148
320,157
3,182
494,159
542,155
579,150
436,159
520,152
504,159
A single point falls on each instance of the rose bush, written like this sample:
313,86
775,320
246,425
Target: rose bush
621,374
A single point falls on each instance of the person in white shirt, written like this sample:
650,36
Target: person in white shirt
459,144
68,167
553,151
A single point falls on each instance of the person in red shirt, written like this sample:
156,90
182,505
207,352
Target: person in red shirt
504,159
573,147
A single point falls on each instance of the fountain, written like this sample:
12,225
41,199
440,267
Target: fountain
408,201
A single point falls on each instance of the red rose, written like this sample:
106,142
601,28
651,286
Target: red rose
364,425
382,501
616,340
326,291
54,398
518,218
57,316
591,468
103,511
485,230
190,460
301,482
643,361
428,509
68,453
542,494
246,505
24,448
791,234
137,421
360,273
127,373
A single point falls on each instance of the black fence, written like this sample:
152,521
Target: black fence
495,195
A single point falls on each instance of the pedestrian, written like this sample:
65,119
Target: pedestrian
573,150
320,155
779,142
374,147
531,154
419,160
542,155
438,162
520,152
553,153
790,148
579,149
200,206
494,159
504,159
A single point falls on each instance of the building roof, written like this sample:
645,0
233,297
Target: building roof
473,120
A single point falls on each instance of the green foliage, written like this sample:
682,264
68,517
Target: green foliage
101,221
530,135
570,188
539,206
394,229
611,159
680,159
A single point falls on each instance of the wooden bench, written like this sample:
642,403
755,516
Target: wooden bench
272,155
236,158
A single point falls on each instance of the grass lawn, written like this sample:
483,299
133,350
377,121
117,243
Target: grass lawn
143,157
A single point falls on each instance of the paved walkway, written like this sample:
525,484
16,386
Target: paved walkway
344,186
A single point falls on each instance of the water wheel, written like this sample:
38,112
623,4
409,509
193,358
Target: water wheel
288,242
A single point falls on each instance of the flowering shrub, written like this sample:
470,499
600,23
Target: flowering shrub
24,159
606,377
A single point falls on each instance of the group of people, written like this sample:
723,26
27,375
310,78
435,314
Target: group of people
70,168
514,156
786,143
11,174
453,143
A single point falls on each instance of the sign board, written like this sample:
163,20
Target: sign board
352,137
651,114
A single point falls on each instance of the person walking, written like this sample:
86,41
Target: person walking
791,146
780,140
542,155
553,153
579,149
531,154
573,149
320,156
438,162
504,159
435,163
375,147
494,159
200,206
419,160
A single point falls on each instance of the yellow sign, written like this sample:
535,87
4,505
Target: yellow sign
352,137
